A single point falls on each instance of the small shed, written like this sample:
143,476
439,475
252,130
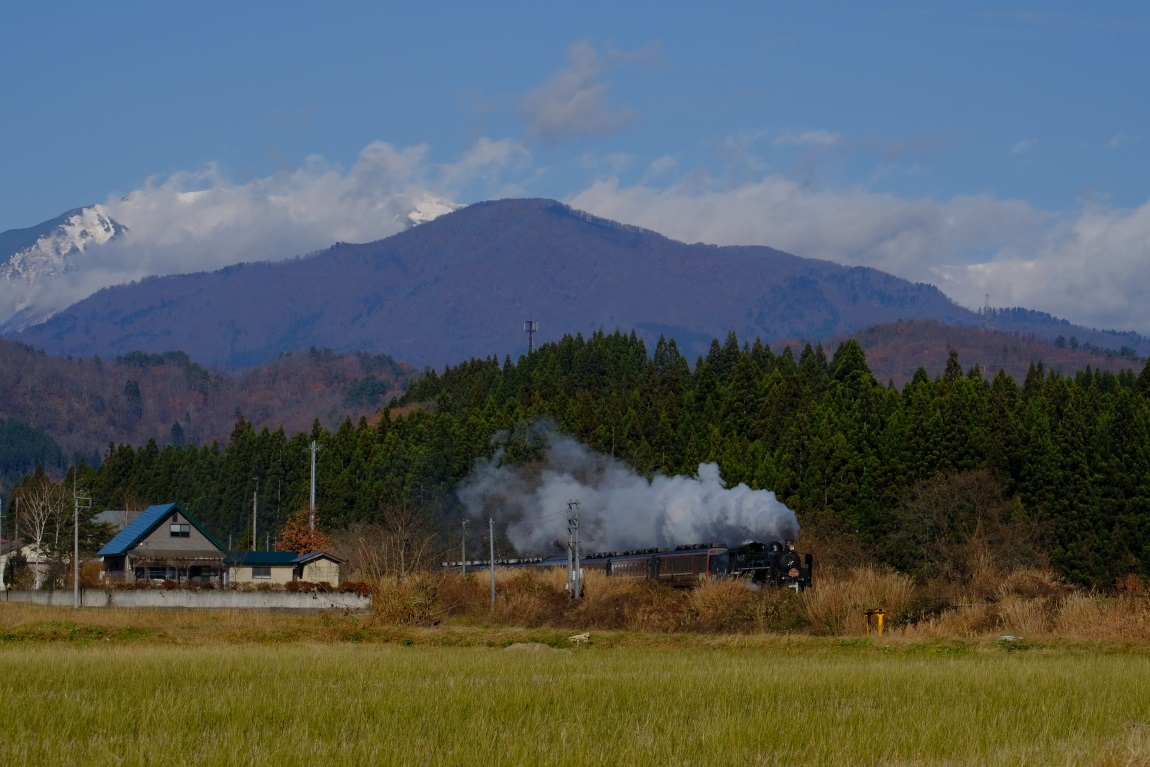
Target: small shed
280,567
164,542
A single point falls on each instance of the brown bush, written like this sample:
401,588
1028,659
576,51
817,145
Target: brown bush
1092,616
839,601
1031,583
532,598
356,587
306,587
413,601
961,620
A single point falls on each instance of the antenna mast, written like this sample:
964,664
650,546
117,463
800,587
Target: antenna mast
986,314
530,327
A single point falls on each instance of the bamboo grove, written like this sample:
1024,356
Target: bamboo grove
900,474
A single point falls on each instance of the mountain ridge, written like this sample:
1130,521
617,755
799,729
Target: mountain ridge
460,286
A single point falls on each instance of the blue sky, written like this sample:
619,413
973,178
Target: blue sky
983,147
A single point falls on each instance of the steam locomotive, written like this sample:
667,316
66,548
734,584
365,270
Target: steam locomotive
772,564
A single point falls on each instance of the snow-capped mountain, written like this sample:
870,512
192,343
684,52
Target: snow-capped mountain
429,207
54,247
50,266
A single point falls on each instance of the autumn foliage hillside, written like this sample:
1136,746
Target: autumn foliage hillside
896,350
85,403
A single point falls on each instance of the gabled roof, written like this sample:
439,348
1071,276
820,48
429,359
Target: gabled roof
303,559
261,558
143,526
275,558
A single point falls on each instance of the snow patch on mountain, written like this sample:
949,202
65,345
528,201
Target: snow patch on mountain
429,207
54,245
171,229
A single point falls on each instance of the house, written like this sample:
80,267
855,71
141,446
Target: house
7,549
280,567
163,542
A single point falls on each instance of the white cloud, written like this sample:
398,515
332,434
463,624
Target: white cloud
811,138
201,220
664,164
1089,266
609,164
1119,139
1024,146
574,102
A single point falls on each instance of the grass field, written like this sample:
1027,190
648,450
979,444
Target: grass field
230,688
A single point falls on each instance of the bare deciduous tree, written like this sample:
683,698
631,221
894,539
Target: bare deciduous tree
962,527
43,520
400,543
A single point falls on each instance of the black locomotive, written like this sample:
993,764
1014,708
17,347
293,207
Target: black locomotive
772,564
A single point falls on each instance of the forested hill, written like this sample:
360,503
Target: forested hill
950,476
84,403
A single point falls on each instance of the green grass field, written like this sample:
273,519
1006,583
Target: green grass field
185,688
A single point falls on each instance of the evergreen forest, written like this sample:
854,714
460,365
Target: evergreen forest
1051,470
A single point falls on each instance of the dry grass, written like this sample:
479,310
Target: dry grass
1032,604
838,605
538,598
1025,603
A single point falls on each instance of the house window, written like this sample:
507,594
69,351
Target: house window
262,572
181,531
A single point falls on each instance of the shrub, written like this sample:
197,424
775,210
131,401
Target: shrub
413,601
356,587
839,601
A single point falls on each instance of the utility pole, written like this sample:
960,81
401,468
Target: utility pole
311,513
463,549
2,585
78,503
491,557
574,571
255,498
530,327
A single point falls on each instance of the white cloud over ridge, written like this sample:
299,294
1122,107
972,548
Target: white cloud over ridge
1087,265
201,220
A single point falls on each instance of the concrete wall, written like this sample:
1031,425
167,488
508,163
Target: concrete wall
263,600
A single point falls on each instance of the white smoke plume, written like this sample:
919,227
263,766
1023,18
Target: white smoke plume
618,509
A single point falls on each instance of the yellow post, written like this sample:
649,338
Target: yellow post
875,618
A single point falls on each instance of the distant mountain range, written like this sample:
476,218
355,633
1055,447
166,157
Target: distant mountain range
462,285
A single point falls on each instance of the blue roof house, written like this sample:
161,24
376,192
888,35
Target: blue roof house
164,543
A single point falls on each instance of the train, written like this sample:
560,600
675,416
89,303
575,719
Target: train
772,564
